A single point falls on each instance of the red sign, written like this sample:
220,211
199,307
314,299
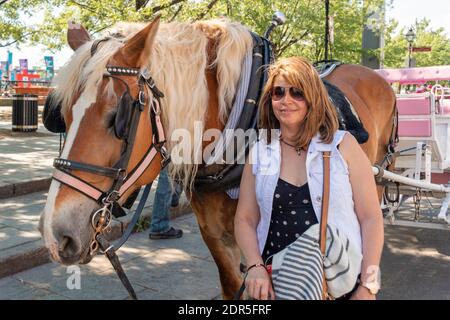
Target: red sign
25,76
421,49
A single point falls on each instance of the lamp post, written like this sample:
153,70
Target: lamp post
410,37
327,28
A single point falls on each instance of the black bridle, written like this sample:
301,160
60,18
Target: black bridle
122,181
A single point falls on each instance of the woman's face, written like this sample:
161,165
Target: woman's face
288,103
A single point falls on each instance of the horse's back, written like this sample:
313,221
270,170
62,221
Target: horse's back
364,80
373,100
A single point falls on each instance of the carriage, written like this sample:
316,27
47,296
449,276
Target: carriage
422,156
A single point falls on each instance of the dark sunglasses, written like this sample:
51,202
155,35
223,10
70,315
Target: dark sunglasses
279,92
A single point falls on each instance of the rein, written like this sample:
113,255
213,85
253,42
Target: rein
122,181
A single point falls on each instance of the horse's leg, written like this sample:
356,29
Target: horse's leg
215,215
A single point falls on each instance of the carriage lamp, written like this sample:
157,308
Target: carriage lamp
410,37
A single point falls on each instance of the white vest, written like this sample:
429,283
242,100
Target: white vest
266,161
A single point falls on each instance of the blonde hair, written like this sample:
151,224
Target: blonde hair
321,115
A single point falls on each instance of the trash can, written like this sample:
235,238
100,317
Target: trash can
25,112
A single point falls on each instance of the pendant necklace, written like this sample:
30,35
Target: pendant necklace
297,148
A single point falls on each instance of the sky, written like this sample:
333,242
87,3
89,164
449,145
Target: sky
404,11
407,11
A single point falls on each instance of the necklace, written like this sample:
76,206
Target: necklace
297,148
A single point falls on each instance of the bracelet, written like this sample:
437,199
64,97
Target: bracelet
256,265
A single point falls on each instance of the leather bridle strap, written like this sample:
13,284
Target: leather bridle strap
96,43
74,165
139,170
97,195
78,184
135,218
110,253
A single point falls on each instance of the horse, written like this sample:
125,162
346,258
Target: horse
197,66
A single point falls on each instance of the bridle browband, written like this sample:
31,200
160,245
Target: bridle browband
122,181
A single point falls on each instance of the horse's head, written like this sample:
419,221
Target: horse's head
100,91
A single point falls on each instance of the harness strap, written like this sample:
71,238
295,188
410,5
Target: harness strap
110,250
139,170
112,257
135,218
96,44
159,127
78,184
96,194
74,165
218,177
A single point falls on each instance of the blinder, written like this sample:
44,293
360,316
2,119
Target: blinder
123,116
53,120
51,117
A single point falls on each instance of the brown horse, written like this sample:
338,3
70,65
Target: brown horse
197,66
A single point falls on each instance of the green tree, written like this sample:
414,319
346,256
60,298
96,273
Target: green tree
303,33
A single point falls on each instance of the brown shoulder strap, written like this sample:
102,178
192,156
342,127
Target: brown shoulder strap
324,215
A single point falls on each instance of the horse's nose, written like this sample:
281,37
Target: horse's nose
69,247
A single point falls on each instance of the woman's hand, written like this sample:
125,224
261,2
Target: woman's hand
362,293
258,284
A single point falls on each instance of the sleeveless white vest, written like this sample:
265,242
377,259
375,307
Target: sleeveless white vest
266,161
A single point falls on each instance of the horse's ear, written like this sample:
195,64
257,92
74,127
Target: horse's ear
139,47
77,35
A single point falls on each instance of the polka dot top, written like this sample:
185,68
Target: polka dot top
292,215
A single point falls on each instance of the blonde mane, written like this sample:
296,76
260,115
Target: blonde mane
178,65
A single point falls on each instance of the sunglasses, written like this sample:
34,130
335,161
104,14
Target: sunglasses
278,93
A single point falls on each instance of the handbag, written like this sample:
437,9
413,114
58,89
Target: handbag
303,249
314,253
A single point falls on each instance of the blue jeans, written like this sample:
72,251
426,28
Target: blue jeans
161,204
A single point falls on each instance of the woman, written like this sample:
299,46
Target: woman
281,189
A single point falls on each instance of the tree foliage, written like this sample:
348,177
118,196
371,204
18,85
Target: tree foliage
396,49
13,17
303,34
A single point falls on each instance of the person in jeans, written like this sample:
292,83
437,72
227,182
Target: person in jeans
164,198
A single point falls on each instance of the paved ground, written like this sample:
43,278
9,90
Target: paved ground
21,246
158,269
26,157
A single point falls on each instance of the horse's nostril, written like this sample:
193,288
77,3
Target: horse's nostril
68,247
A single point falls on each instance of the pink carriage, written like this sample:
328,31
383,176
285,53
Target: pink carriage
422,157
